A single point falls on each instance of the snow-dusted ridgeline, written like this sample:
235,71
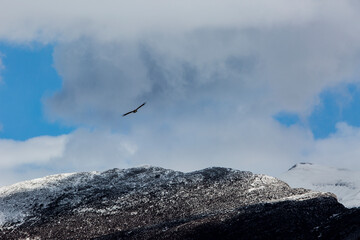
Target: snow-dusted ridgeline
18,200
24,200
152,202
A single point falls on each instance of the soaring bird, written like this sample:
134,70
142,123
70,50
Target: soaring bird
135,110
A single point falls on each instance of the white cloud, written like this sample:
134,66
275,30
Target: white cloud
260,146
339,150
95,150
248,69
41,20
213,74
35,150
257,145
188,146
268,60
294,48
212,80
297,48
49,21
82,150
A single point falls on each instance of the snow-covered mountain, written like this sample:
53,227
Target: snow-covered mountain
157,203
344,183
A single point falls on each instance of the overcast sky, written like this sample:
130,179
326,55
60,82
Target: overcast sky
252,85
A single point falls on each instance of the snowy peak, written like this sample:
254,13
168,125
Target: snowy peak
77,191
344,183
147,202
300,165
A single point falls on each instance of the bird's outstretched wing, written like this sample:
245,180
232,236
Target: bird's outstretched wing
140,106
127,113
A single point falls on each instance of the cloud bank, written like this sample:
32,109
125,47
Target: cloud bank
213,73
46,21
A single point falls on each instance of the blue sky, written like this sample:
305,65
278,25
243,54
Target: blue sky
339,104
28,78
336,107
228,85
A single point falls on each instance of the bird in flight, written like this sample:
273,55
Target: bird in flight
135,110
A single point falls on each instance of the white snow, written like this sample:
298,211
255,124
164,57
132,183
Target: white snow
33,184
261,181
255,189
16,200
300,197
344,183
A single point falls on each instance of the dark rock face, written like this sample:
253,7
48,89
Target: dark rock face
345,225
155,203
280,220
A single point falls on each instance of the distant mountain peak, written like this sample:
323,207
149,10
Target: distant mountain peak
300,164
344,183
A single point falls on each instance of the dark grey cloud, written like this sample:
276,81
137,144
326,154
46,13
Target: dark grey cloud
264,71
102,80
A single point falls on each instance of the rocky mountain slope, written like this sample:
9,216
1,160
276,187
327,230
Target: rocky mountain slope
156,203
344,183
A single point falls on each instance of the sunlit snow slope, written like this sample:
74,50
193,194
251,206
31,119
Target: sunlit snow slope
344,183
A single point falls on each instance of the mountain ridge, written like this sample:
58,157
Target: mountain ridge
145,202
